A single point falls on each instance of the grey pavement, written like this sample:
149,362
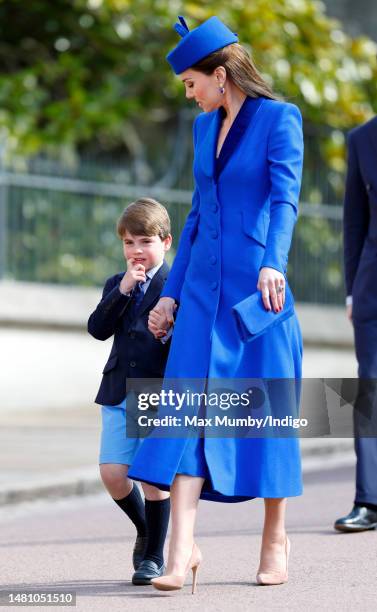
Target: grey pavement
84,544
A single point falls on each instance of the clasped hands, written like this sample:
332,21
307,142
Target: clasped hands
161,317
271,284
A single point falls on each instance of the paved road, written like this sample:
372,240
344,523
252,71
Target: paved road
84,544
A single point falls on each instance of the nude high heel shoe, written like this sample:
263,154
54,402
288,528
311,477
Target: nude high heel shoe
173,582
270,578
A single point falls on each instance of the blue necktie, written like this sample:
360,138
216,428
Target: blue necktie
137,298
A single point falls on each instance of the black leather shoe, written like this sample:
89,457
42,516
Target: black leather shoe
146,571
359,519
139,550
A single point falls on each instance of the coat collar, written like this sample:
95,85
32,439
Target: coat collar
211,166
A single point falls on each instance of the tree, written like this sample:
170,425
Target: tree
87,74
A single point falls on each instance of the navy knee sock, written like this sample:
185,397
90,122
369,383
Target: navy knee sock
133,506
157,518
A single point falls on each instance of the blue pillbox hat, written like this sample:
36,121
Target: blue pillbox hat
196,44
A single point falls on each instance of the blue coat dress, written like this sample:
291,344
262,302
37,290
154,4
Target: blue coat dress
243,213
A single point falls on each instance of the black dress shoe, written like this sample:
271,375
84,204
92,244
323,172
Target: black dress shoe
146,571
359,519
139,550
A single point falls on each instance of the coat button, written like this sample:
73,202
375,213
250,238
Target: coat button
368,186
214,285
132,335
214,234
213,260
132,364
214,208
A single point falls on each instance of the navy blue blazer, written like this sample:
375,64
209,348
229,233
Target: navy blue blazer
360,222
135,352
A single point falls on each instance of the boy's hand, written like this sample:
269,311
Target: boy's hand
135,274
161,317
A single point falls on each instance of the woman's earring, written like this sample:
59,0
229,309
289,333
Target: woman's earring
222,90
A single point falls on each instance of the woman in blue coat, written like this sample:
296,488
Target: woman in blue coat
247,169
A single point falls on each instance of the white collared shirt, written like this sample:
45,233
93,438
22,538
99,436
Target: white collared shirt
150,274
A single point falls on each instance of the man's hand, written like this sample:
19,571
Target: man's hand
272,285
349,312
135,274
161,318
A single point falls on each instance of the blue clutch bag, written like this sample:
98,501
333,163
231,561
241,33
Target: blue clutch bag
253,319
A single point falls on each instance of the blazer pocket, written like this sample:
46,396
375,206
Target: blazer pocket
256,225
110,365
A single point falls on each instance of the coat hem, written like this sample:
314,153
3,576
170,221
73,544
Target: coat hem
215,495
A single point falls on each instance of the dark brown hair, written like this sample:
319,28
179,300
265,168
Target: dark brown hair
240,68
144,217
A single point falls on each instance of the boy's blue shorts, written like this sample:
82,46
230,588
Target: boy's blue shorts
115,446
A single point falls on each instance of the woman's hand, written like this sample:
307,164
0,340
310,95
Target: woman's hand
272,285
161,317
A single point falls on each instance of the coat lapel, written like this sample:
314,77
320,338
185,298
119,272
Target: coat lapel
211,166
154,288
237,130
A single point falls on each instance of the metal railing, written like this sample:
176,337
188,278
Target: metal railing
61,229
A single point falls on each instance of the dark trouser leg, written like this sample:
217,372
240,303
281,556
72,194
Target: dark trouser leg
366,470
365,413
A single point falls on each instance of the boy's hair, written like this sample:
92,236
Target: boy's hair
144,217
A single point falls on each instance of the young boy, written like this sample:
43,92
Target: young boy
144,228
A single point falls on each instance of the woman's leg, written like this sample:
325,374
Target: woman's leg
184,497
153,493
273,549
